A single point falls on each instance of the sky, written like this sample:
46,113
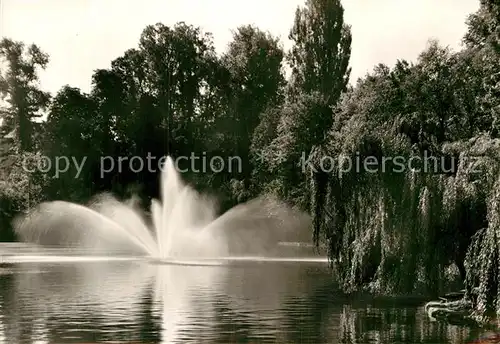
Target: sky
83,35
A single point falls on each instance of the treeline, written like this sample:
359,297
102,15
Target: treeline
174,95
394,232
402,232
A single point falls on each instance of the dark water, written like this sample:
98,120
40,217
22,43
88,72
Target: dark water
246,302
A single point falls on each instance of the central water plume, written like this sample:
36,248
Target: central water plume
183,213
184,224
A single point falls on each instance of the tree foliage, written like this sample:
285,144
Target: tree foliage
390,228
18,86
400,230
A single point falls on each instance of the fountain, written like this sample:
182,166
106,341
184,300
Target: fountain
184,224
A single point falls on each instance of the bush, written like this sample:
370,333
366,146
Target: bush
18,191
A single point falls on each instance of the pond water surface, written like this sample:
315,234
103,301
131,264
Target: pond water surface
135,301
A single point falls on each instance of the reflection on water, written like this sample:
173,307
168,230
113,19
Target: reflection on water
128,301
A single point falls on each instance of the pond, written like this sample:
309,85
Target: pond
247,301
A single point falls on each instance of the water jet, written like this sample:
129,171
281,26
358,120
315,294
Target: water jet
184,224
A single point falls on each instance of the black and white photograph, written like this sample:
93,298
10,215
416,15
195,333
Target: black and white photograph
226,171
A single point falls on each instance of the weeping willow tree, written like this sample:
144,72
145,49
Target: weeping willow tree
405,187
483,258
396,231
414,190
395,226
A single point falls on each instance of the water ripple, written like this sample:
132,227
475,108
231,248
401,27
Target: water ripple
136,301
